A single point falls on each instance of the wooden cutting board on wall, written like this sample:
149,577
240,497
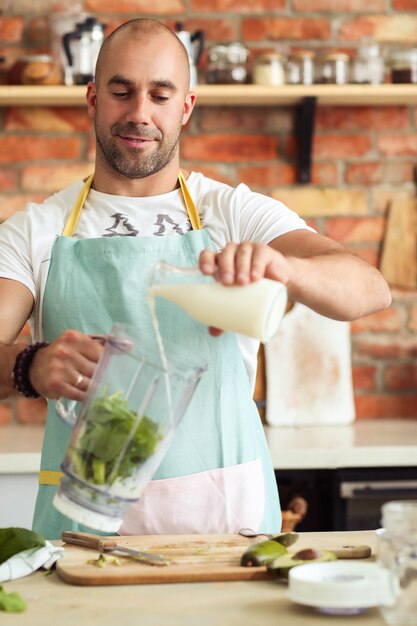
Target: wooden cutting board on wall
399,253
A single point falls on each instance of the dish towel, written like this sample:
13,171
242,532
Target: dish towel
26,562
309,371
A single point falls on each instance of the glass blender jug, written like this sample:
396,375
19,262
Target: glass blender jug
123,429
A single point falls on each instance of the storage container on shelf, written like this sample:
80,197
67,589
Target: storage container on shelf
299,68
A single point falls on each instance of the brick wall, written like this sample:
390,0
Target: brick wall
363,156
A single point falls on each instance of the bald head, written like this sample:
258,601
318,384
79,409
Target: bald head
141,29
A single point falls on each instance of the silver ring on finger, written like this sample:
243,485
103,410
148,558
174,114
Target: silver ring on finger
79,380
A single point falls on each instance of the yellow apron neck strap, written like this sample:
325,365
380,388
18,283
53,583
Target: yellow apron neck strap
72,221
189,203
74,217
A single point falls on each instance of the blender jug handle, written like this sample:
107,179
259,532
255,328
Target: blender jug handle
65,407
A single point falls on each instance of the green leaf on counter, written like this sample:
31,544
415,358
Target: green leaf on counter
11,602
15,540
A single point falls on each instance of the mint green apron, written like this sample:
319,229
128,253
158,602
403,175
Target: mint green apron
93,283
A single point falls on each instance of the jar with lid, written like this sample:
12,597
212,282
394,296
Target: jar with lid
35,69
403,65
227,64
268,69
368,66
333,68
397,556
300,68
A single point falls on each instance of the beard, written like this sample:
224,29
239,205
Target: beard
130,162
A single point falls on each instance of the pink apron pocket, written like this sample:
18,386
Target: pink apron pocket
216,501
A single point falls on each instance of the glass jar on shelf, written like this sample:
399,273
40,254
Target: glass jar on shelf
403,64
300,68
227,64
268,69
333,68
368,66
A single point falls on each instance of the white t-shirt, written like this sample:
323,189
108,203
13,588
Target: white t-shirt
229,215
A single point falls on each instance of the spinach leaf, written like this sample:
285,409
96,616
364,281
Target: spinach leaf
14,540
11,602
108,426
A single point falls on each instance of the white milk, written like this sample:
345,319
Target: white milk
151,304
255,309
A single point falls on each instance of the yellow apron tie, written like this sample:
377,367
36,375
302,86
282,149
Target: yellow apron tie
72,221
49,477
189,204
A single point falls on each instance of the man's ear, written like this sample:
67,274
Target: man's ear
91,99
189,103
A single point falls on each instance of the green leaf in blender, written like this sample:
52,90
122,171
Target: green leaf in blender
113,443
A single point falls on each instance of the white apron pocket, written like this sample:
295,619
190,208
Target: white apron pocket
216,501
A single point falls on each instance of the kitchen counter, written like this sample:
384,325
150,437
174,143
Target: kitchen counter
367,443
186,604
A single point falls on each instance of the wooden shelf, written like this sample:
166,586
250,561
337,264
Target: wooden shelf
231,95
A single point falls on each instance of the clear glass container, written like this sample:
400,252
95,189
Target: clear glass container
268,69
228,64
333,68
403,64
300,68
123,428
397,556
368,66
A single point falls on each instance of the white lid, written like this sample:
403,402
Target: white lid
336,585
79,514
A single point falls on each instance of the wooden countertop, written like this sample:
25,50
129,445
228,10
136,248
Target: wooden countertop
188,604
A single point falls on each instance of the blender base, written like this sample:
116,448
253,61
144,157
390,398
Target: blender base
89,518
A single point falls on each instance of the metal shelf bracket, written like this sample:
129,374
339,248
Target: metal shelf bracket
304,133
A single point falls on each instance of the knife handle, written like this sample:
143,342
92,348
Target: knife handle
88,540
352,552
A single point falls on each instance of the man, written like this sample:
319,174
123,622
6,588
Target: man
66,266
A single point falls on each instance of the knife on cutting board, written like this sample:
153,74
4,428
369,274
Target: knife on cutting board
103,544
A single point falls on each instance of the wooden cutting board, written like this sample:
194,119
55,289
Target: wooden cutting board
194,558
399,254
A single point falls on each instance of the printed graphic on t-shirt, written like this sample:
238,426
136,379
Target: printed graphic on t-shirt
121,227
166,223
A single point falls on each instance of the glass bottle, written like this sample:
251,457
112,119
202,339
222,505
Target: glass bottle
397,556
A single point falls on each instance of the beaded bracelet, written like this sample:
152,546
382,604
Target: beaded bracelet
20,372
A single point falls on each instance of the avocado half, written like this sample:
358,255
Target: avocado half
282,564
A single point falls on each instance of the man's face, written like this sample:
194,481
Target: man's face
141,105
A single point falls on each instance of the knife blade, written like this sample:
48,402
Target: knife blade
103,544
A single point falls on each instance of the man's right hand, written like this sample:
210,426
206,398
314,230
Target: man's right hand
65,367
